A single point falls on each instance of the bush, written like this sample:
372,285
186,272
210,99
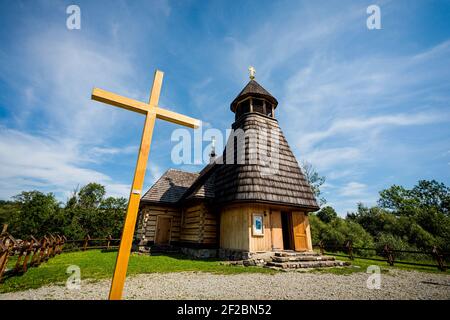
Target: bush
338,231
397,243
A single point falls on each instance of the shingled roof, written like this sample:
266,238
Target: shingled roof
253,89
247,182
170,187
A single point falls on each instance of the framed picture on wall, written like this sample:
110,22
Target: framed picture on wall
258,224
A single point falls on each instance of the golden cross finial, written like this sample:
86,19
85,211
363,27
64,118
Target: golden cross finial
252,72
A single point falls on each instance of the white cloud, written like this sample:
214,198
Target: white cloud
34,162
353,189
324,159
357,125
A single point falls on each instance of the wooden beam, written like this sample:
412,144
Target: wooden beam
119,101
177,118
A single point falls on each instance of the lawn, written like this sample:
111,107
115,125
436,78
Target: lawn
361,265
96,265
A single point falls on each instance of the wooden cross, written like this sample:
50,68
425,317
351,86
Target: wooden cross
252,72
151,112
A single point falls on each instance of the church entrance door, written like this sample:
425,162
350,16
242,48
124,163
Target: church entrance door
163,227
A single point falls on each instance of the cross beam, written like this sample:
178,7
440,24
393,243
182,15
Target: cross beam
151,112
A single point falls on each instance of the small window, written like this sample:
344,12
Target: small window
269,109
258,224
242,108
258,106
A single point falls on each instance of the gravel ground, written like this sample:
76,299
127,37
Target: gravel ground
397,284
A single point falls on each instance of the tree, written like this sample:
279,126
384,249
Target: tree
38,214
314,180
326,214
91,195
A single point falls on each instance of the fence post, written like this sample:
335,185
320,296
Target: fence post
322,247
109,242
439,258
349,246
4,229
4,254
36,248
389,254
86,241
22,250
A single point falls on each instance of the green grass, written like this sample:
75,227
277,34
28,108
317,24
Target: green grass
97,265
361,265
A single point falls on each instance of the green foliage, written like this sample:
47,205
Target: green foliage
86,212
339,230
326,214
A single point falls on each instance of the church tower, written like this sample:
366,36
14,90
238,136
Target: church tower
260,186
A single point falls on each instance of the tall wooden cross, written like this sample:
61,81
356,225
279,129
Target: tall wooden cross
151,112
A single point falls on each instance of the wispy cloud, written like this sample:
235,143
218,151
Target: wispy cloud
34,162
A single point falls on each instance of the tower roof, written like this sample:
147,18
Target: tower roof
253,89
247,182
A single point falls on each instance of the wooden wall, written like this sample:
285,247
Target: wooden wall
236,229
195,223
199,225
147,222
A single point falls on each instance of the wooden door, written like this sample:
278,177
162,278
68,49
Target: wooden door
277,231
163,227
299,231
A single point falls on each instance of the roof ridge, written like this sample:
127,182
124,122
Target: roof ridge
174,169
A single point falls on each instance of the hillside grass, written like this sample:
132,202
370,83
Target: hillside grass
361,265
97,265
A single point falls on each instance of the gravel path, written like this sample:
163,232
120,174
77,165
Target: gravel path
397,284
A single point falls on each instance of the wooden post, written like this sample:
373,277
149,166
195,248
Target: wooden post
109,242
28,250
4,254
439,258
17,267
36,247
86,242
4,229
322,247
44,242
349,246
389,254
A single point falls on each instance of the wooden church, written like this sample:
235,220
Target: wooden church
233,209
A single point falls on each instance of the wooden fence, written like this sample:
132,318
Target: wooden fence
108,243
29,253
387,254
33,252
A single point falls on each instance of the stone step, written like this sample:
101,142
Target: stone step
296,253
303,258
307,264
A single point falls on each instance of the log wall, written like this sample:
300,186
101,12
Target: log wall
146,230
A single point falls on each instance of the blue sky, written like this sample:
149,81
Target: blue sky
368,108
